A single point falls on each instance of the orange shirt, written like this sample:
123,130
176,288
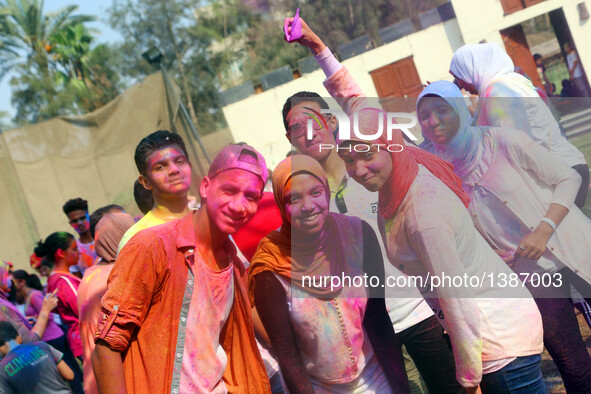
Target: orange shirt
149,290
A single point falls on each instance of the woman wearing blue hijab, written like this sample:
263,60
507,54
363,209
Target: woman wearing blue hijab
522,202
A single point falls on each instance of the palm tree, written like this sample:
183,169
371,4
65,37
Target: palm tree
71,48
25,31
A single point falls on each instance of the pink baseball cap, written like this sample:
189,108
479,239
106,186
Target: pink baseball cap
242,157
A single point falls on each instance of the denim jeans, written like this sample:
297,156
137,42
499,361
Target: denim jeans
523,376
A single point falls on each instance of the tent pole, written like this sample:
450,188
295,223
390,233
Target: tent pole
186,116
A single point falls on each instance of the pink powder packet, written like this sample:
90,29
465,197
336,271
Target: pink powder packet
508,256
296,28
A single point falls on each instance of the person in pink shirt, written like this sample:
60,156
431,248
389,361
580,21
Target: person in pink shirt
31,295
61,249
108,233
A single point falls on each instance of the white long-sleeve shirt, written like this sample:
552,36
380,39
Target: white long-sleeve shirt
508,102
432,235
406,307
511,190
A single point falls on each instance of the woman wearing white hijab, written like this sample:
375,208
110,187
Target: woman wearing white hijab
508,99
522,203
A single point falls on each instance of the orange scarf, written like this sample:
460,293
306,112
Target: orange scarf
294,256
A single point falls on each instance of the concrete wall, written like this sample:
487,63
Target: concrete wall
257,120
483,19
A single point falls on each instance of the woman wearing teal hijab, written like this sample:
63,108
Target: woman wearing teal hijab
522,202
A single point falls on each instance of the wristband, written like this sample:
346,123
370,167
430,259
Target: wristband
550,222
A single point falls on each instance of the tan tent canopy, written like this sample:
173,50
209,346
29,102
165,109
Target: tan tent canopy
88,156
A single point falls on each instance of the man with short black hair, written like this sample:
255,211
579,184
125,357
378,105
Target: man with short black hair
165,171
143,197
34,367
76,210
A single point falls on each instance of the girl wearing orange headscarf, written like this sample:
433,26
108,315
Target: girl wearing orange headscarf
328,336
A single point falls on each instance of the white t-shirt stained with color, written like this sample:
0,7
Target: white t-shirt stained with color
204,359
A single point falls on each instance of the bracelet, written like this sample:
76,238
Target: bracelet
550,222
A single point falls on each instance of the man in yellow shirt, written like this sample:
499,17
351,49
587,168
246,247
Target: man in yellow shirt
163,163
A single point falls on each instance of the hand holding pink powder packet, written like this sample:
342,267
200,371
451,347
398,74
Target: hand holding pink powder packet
296,28
508,256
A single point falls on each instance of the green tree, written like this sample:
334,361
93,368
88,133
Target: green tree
86,70
198,43
57,70
340,21
70,48
25,31
267,50
158,23
79,78
37,97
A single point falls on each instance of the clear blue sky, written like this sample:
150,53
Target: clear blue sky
90,7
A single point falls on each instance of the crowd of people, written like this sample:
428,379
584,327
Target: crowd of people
220,299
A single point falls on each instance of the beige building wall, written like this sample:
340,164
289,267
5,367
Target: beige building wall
257,119
483,19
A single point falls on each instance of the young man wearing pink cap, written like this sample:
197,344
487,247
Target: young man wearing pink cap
176,317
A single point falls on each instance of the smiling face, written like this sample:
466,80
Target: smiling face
298,120
306,203
168,172
232,198
439,122
371,169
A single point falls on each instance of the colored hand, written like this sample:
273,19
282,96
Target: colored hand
308,39
49,302
533,245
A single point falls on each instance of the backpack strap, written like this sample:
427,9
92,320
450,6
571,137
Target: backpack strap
70,284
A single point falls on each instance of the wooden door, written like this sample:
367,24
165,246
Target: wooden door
518,49
510,6
399,79
531,2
